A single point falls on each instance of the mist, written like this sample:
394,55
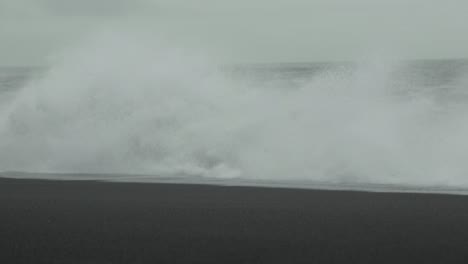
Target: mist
140,87
126,103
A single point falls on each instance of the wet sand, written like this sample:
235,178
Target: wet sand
99,222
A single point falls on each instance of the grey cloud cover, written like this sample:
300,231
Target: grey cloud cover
92,7
71,7
255,30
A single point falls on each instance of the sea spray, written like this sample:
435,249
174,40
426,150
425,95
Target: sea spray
118,104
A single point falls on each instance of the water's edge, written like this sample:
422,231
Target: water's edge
181,179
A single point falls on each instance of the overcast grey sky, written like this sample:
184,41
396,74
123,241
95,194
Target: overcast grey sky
245,30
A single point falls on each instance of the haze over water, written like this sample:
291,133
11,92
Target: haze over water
122,104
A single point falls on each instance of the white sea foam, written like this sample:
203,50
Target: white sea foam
121,104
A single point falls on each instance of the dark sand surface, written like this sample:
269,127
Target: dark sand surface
96,222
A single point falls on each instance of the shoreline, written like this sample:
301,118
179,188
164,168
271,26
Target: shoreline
238,182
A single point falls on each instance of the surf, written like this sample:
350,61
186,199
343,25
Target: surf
120,104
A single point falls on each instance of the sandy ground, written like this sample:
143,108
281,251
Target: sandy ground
97,222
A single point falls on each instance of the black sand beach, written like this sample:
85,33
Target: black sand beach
96,222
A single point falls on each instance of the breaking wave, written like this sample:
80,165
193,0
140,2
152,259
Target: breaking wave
118,104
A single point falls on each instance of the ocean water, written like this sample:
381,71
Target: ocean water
112,111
